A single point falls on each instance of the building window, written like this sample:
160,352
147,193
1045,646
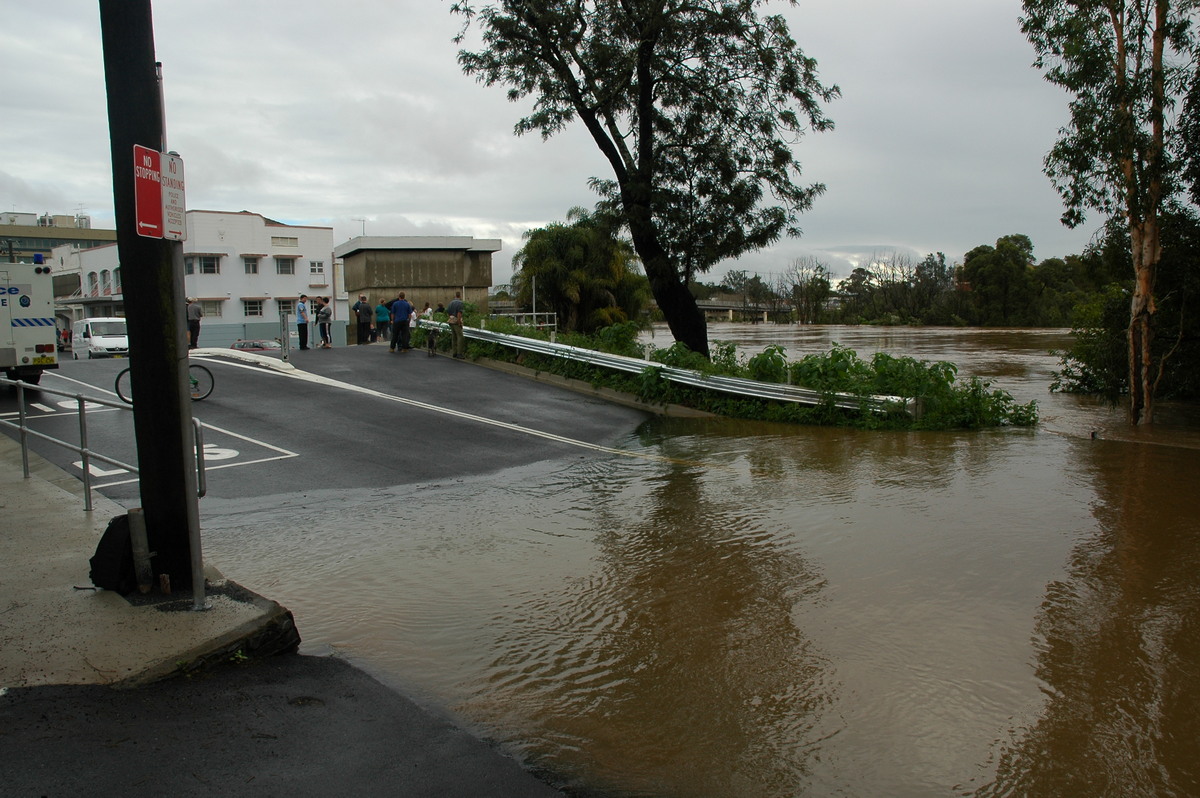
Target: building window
93,284
117,281
251,265
316,267
285,241
285,265
253,307
211,307
105,283
202,264
286,306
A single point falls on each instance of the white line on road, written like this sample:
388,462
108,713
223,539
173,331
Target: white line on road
295,373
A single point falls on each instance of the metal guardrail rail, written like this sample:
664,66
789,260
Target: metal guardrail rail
732,385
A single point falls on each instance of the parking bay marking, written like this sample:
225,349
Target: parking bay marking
219,453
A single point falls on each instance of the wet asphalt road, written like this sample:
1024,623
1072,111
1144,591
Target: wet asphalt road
354,417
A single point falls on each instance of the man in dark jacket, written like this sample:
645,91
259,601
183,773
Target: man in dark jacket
402,311
364,313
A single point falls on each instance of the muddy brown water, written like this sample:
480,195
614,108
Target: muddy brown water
763,610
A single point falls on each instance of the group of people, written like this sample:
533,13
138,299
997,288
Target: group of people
390,321
322,310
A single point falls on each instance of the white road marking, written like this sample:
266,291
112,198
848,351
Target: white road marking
290,371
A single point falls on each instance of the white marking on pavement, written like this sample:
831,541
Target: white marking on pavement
295,373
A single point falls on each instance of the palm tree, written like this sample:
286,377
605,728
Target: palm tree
583,270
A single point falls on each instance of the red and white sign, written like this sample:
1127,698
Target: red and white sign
147,191
158,194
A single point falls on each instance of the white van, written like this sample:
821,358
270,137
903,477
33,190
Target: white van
104,337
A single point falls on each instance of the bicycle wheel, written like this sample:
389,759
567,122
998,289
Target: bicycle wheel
200,381
124,387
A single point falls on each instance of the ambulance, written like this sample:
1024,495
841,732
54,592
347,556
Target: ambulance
28,336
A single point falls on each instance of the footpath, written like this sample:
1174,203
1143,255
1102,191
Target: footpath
102,695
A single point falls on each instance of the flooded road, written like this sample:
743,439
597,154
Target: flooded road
765,610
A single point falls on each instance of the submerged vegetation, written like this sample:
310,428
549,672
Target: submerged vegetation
944,401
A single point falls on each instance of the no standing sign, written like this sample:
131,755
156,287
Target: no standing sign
158,194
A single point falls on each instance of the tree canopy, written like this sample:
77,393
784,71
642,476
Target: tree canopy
696,106
999,278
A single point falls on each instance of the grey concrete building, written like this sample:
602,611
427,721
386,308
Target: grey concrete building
427,268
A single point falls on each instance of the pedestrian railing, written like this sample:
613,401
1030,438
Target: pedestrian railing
731,385
82,448
137,526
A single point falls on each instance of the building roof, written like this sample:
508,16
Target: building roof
460,243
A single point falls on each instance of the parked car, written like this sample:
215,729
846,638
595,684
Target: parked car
256,345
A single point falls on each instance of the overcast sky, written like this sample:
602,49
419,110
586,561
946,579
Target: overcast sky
335,112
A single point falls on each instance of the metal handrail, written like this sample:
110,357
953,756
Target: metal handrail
199,602
695,379
83,450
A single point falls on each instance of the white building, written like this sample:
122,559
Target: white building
245,270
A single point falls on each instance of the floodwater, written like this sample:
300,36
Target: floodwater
765,610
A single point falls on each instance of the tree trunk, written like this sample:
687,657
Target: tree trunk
676,302
1146,254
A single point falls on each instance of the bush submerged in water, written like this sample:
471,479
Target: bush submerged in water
943,401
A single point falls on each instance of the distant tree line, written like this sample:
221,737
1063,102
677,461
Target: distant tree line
995,285
589,275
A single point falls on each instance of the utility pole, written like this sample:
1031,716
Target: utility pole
152,269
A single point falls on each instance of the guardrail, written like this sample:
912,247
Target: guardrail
732,385
82,449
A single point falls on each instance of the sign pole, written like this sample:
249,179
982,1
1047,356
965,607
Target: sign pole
154,295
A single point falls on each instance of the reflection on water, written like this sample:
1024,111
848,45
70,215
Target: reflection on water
679,645
780,611
1119,647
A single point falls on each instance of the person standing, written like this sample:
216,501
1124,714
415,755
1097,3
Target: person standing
302,321
402,311
455,311
324,322
383,322
364,313
194,314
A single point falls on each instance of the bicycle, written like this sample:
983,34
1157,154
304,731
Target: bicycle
200,383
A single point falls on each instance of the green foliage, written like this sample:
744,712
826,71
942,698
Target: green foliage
582,270
944,401
1000,282
770,365
1117,116
1098,361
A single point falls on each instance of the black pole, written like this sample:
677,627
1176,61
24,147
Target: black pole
154,300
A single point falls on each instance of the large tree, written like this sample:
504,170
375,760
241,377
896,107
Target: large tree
1000,282
695,104
1125,62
